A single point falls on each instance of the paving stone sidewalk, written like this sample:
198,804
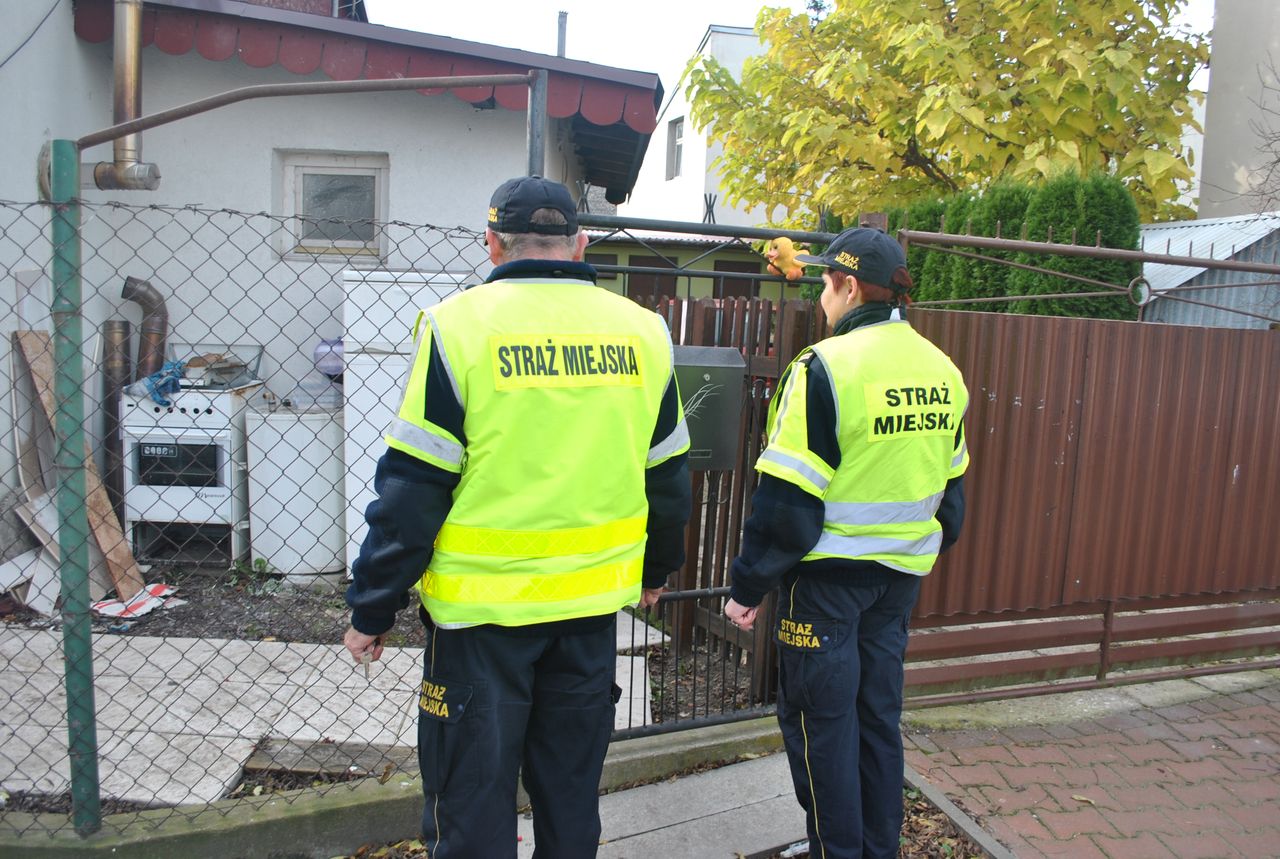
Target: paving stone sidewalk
1185,768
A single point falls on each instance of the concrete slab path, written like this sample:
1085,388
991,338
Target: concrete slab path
731,811
177,718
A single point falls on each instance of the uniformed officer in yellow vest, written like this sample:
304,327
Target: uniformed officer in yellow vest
860,489
536,482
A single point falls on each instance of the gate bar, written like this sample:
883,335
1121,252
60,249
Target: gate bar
926,238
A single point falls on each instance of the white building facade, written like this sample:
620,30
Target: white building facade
678,180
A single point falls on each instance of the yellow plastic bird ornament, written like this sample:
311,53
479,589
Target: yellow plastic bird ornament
781,255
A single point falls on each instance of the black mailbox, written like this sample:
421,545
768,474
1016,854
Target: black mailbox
711,380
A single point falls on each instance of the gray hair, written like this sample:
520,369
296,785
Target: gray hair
538,245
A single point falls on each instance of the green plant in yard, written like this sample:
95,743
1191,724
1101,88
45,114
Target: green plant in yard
1002,208
924,216
1091,209
933,278
242,575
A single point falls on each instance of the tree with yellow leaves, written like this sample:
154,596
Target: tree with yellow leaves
882,102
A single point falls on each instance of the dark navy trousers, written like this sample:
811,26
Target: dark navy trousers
496,702
841,648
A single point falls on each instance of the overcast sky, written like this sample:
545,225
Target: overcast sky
651,36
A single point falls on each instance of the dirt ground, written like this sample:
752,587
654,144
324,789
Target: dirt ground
243,603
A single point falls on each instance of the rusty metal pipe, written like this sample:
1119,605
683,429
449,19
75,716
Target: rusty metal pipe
934,239
127,55
223,99
126,171
154,328
116,368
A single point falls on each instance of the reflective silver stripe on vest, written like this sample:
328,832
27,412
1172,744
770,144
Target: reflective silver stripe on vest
669,445
417,346
419,439
778,458
444,357
882,513
958,459
866,544
786,393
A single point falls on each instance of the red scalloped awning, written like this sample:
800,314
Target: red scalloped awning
260,44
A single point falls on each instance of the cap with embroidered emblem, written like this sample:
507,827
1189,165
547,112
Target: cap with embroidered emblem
867,254
513,204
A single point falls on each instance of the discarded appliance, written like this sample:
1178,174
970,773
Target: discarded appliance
186,491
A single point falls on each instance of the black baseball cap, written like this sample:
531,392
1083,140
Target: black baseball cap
515,201
867,254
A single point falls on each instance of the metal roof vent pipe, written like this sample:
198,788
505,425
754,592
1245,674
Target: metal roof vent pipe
127,172
154,328
115,375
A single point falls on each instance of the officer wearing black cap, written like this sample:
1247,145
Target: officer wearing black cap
536,482
860,490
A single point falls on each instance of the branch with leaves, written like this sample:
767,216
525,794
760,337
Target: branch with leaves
877,103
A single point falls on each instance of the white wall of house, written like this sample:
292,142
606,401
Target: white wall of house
47,89
1244,94
681,198
227,277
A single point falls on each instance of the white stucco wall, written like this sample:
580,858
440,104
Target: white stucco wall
222,274
682,198
46,88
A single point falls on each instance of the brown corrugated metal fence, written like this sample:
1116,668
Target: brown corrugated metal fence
1118,467
1112,461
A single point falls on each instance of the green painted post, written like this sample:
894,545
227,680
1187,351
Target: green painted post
69,459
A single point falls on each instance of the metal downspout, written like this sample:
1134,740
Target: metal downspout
126,172
69,460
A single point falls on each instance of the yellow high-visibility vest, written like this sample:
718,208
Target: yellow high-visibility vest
900,402
560,384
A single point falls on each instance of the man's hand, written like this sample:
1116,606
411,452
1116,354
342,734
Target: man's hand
739,615
649,597
358,644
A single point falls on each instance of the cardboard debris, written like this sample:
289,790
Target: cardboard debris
40,515
32,578
33,363
149,598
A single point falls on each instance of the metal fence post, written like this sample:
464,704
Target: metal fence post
73,525
537,122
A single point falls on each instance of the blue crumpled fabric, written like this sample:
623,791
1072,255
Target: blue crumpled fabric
165,381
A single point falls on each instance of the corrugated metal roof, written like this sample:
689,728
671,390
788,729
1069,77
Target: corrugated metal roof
1217,298
665,237
1212,238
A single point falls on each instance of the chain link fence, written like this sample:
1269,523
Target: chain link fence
240,369
231,451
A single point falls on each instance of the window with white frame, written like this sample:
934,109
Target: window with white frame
336,202
675,143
